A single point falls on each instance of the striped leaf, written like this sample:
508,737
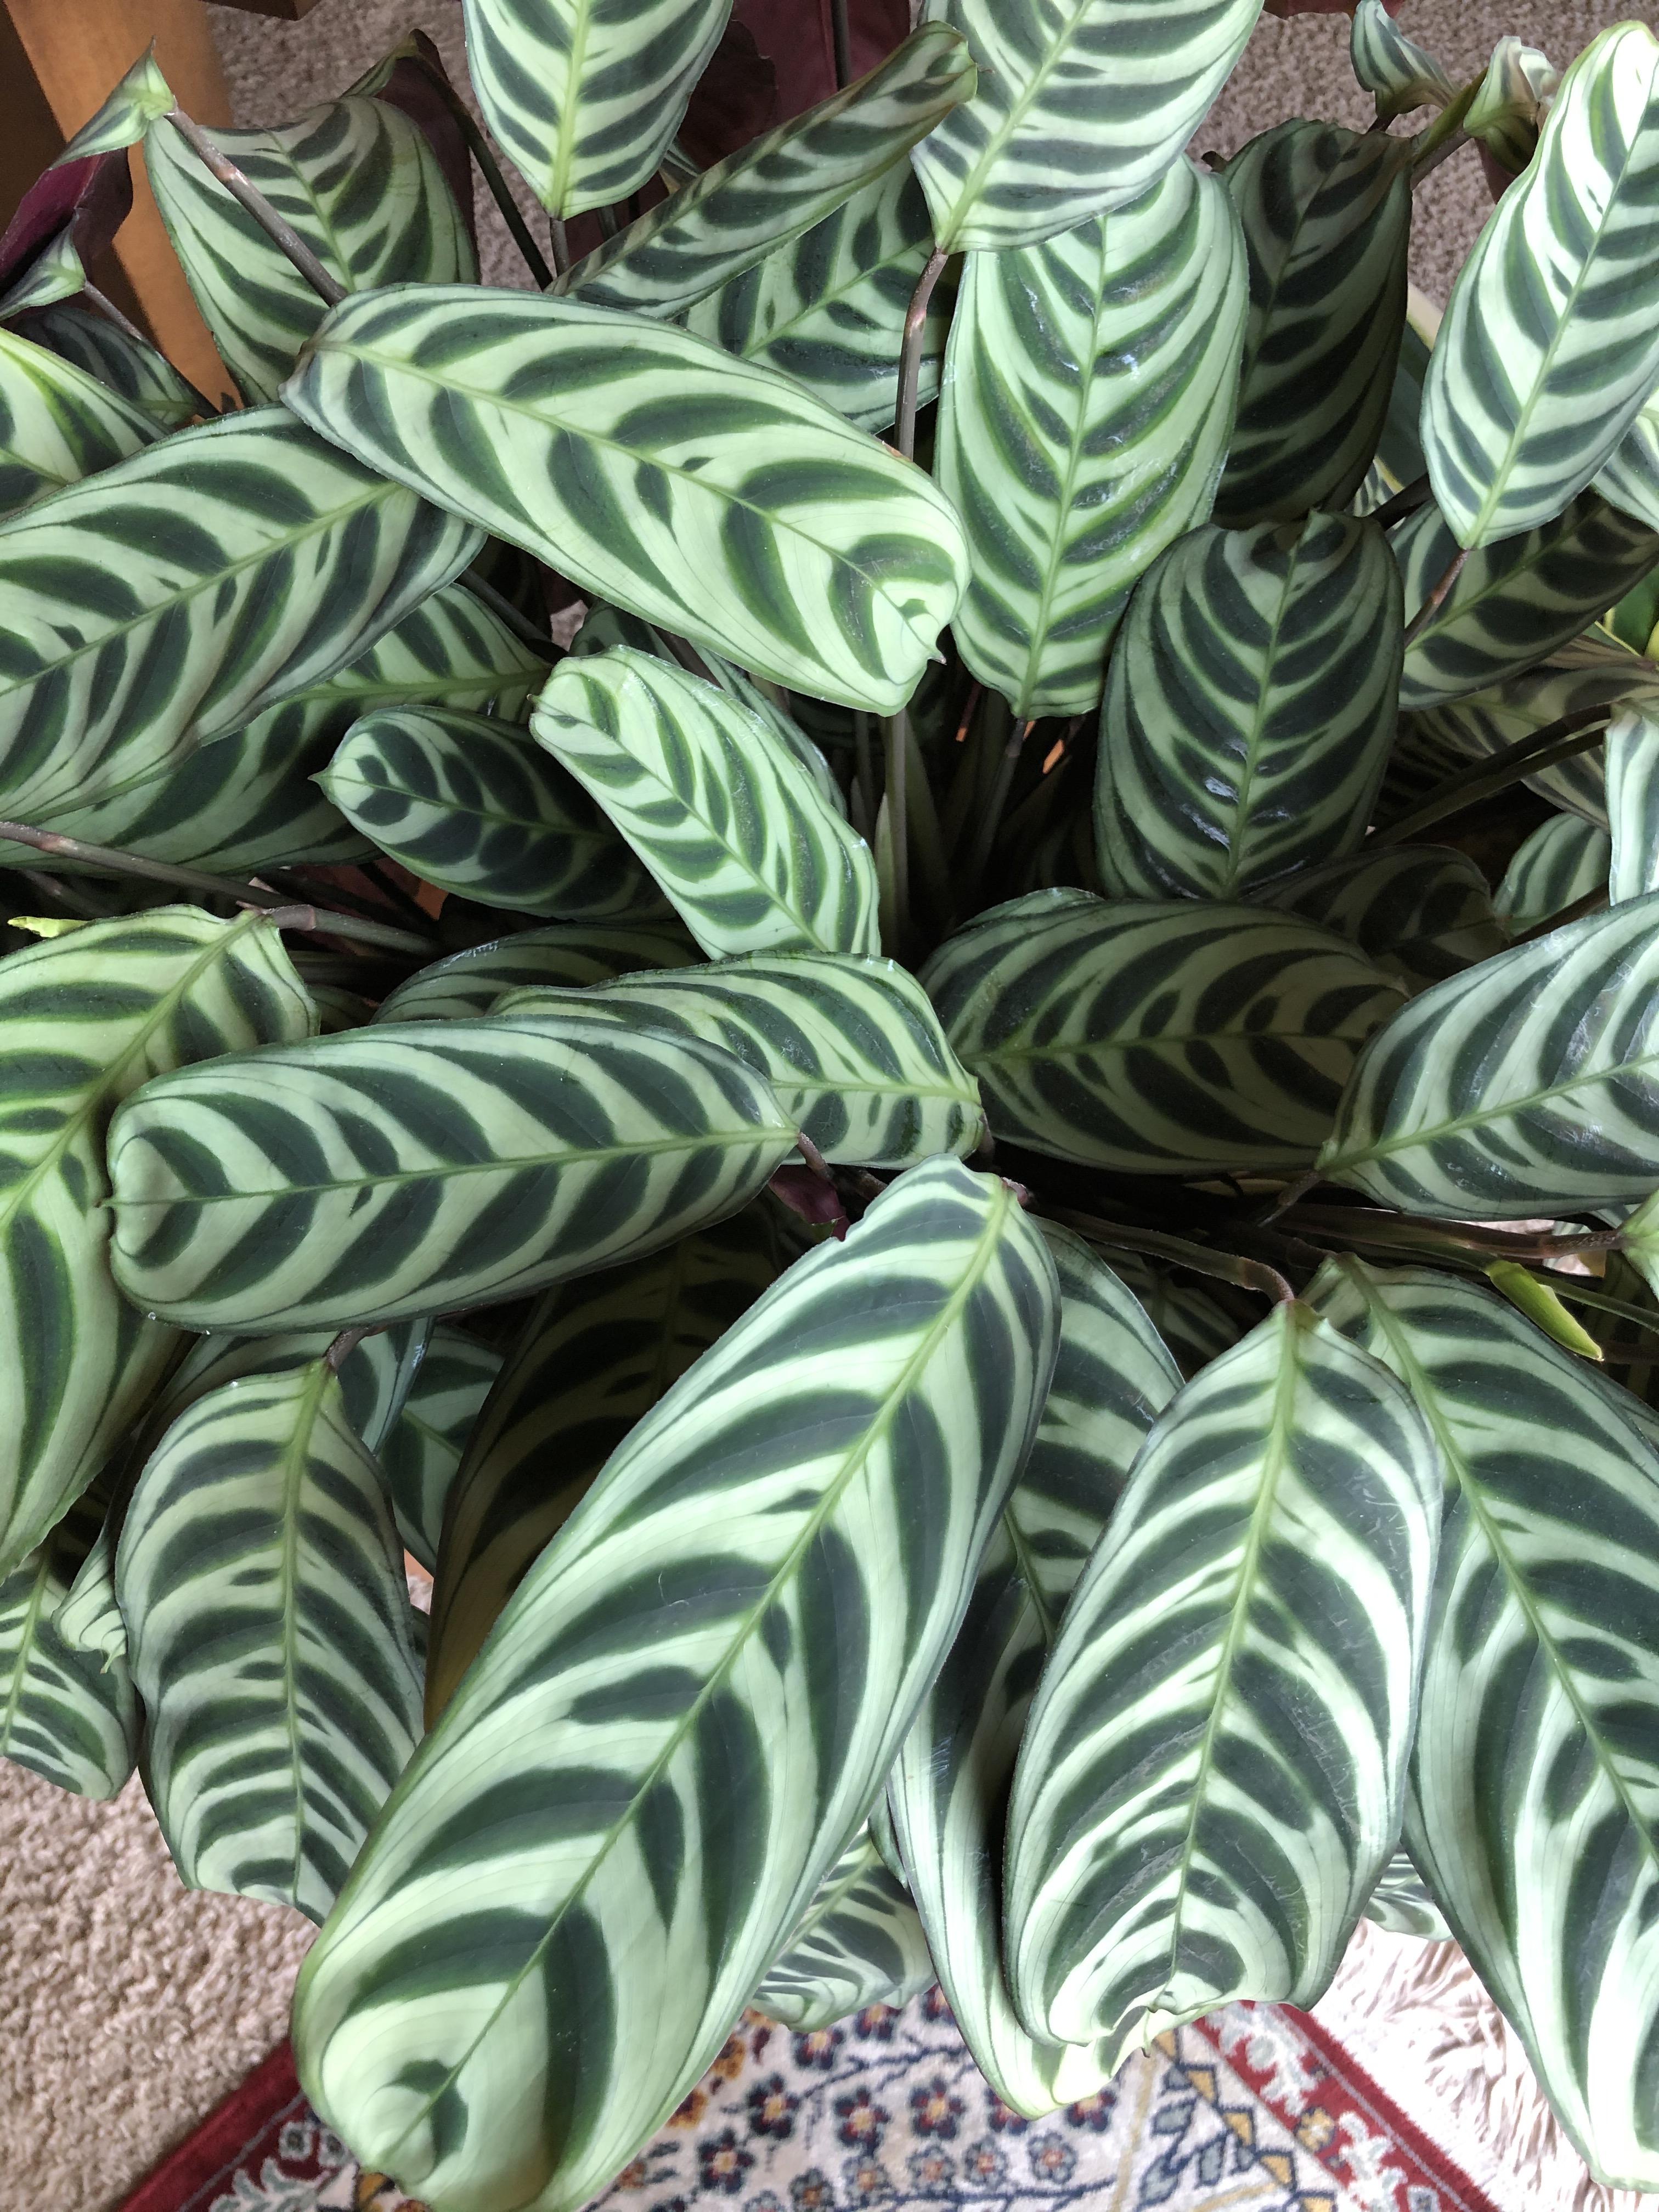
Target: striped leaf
1514,603
713,495
1528,1086
584,96
732,826
262,1589
948,1791
697,1691
475,807
852,1048
1213,1774
1630,481
171,598
1393,67
759,201
1531,1814
565,957
1559,297
1250,705
1191,1318
1632,756
860,1943
373,1375
84,1020
1401,1903
57,424
122,363
590,1362
1399,460
66,1713
1079,109
1160,1040
829,307
1418,912
248,801
424,1445
1327,217
359,184
1088,392
1563,861
501,1156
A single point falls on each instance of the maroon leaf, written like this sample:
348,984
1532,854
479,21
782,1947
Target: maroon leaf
810,1197
736,99
89,197
798,38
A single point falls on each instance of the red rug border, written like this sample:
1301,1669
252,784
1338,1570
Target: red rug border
218,2145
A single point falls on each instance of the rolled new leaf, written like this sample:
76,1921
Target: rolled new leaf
1250,705
423,1448
948,1790
67,1710
57,425
712,496
726,817
1632,757
852,1048
1527,1086
84,1020
860,1943
1559,295
565,957
169,599
1161,1040
361,186
1534,1777
1395,68
475,807
501,1156
1088,392
1213,1775
262,1585
759,200
683,1714
1078,109
591,1359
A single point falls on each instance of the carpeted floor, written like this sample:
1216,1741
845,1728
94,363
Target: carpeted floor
131,2008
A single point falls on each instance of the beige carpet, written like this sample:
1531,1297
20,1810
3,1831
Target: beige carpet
130,2007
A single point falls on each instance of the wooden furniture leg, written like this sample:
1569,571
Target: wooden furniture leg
59,60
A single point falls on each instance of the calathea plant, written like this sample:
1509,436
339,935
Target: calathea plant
979,1172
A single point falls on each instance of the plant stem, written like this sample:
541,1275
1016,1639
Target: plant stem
915,324
1577,732
865,769
843,44
1292,1194
1592,903
561,245
989,821
107,308
1326,1223
1197,1259
347,1342
490,170
519,622
896,751
323,921
1436,598
1445,136
1403,503
280,232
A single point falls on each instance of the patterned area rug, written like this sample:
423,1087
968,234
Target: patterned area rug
1255,2107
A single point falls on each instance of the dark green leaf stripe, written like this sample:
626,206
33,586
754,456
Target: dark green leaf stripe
565,957
586,95
1559,295
423,1448
125,366
713,495
852,1048
500,1156
1528,1086
948,1790
1401,1903
262,1585
1080,107
1534,1779
248,801
1160,1040
57,425
1249,708
172,597
85,1019
727,818
65,1713
829,307
591,1360
1088,392
356,179
1326,217
610,1836
1213,1773
860,1943
475,807
1419,912
1631,755
759,200
1563,861
1516,603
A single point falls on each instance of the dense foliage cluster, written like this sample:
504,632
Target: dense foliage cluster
892,959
